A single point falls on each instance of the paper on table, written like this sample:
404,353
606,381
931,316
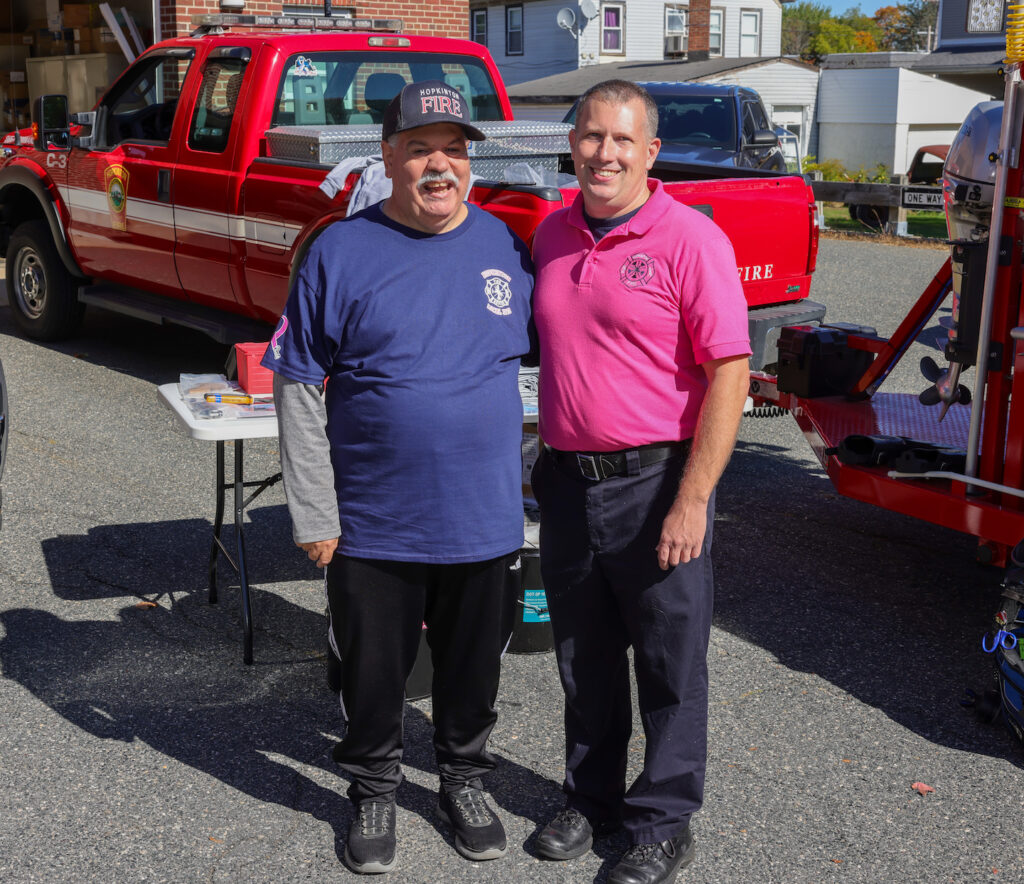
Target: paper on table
194,387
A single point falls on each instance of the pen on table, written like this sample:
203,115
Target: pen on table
229,398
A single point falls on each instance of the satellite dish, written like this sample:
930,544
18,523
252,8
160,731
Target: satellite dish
566,18
589,9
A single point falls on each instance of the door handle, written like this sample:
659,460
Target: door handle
163,185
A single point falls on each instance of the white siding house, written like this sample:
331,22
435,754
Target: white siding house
752,28
543,48
872,116
526,42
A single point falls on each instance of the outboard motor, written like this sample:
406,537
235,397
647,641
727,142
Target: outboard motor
968,184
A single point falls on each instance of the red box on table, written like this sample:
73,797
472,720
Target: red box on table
254,378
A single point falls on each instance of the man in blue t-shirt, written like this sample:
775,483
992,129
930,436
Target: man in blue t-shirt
404,480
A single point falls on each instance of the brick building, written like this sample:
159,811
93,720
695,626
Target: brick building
439,18
63,46
157,19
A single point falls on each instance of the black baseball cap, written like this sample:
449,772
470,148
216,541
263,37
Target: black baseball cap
425,103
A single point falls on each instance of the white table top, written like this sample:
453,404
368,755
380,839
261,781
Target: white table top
216,429
223,428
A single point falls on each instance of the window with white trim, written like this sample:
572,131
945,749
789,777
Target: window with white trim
676,21
715,23
513,30
613,17
478,26
750,33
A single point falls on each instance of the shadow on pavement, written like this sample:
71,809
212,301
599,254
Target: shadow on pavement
144,350
160,558
171,675
888,608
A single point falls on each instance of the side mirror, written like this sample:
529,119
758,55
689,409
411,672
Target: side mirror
87,120
763,138
51,124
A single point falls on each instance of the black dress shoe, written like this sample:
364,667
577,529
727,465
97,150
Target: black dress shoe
567,836
570,834
655,863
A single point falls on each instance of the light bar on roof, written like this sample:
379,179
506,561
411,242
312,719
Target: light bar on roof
305,22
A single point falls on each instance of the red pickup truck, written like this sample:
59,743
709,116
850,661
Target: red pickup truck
191,190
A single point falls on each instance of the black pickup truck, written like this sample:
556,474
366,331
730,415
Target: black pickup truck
704,126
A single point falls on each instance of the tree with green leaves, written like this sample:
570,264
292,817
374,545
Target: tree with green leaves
906,27
833,36
869,34
811,31
800,24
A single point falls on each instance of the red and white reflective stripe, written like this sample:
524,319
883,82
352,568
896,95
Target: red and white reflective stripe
196,221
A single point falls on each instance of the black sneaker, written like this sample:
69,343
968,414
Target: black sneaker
567,836
371,837
478,832
655,863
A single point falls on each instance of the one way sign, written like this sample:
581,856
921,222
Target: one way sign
921,198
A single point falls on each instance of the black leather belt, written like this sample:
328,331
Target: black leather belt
598,465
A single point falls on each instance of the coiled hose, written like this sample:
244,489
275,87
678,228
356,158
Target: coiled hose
762,411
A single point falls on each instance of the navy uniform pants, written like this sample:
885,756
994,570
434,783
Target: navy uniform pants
606,594
377,611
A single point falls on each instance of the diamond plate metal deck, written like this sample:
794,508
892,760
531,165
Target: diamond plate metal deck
889,414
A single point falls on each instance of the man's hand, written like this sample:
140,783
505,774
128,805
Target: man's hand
320,552
682,532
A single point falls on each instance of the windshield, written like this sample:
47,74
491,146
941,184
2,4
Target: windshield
704,121
338,88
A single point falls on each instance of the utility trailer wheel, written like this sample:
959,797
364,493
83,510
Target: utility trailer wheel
42,294
870,216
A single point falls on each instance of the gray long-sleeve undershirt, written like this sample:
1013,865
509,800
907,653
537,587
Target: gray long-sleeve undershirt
306,460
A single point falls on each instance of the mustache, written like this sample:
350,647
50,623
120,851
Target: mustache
430,177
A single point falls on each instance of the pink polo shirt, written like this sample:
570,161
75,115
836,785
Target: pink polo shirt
624,324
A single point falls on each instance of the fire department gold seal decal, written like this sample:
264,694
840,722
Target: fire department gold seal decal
116,180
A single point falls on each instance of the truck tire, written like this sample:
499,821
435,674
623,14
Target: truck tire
869,216
42,294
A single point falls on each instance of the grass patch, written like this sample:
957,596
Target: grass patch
919,223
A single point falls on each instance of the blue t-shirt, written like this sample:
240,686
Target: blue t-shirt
420,336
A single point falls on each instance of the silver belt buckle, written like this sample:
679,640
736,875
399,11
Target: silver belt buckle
588,466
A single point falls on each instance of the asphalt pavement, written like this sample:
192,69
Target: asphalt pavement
136,746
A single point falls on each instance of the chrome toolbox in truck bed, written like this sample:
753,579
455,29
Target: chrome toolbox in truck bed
508,142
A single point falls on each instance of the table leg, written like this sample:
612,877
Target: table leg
217,524
243,577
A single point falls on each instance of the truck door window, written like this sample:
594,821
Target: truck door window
353,88
143,107
748,122
215,105
754,119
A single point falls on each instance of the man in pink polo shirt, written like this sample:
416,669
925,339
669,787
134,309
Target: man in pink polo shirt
643,340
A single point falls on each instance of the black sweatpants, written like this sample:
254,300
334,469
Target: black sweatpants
606,594
377,611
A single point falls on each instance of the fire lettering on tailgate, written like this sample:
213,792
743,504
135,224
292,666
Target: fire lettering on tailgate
755,272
